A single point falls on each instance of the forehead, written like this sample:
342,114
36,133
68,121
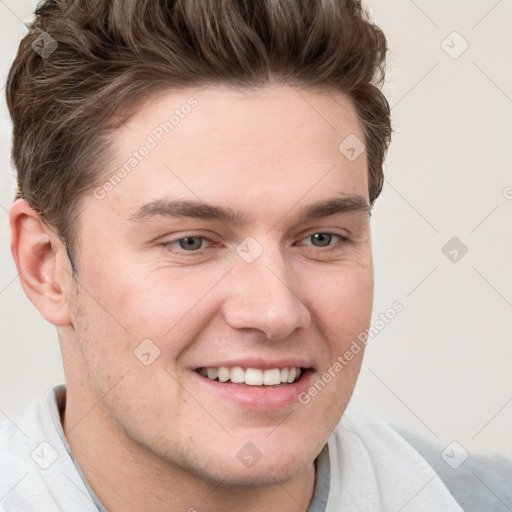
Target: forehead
250,116
263,147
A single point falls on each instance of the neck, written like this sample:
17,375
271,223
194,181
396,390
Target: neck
126,476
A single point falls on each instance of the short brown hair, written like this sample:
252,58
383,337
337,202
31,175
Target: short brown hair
112,54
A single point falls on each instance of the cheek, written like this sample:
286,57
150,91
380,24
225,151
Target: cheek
167,302
170,307
342,305
142,298
343,300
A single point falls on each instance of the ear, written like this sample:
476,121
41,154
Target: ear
42,262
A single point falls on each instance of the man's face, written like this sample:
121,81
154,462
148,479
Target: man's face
272,290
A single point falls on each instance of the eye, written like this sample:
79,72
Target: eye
324,239
189,243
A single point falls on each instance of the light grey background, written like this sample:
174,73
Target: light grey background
442,366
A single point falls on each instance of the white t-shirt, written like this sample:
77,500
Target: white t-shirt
365,466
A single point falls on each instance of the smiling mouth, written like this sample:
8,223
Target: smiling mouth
253,376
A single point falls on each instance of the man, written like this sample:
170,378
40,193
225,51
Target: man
195,181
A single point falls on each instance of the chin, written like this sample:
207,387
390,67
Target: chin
261,475
231,473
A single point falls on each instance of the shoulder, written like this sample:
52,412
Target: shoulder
37,472
477,482
377,469
18,433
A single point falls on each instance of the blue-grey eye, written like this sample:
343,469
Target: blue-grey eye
190,243
324,239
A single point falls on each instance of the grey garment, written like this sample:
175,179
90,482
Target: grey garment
57,405
480,484
322,482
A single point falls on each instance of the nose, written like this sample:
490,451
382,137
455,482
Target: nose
262,296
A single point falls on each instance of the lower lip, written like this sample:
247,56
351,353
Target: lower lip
260,398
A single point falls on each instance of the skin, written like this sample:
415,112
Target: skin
172,443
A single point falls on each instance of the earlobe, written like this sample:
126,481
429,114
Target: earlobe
40,259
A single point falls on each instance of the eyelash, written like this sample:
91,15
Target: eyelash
343,240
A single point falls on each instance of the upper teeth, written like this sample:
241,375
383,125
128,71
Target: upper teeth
252,376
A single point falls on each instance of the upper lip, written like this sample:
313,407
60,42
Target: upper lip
259,362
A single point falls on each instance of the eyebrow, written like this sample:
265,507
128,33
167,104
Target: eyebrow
198,210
